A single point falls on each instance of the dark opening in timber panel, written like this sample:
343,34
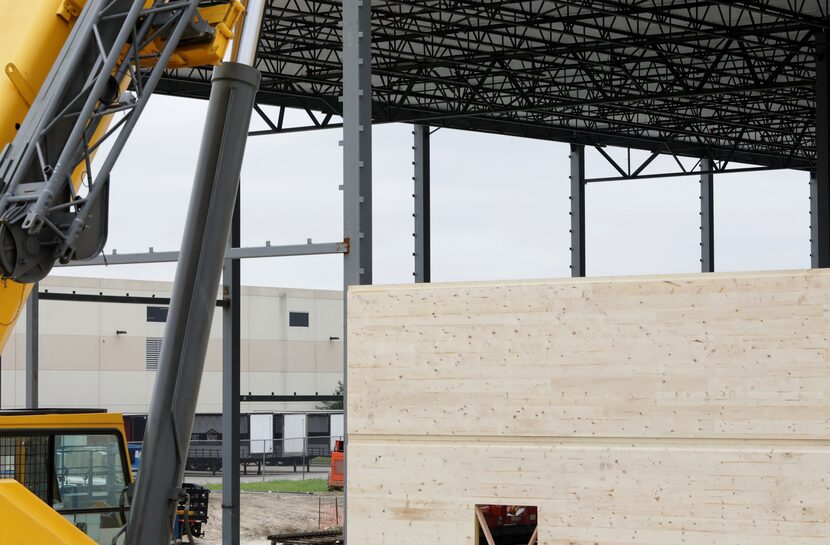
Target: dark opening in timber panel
728,80
506,524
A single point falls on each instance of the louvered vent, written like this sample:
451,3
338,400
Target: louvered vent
153,353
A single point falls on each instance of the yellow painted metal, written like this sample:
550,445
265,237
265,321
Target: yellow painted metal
26,520
40,29
20,83
223,18
67,421
70,9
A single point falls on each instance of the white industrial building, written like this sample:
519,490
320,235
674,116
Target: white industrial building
105,355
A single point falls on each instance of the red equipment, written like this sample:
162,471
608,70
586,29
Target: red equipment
338,460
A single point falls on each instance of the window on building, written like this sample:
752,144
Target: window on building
157,314
298,319
153,353
507,524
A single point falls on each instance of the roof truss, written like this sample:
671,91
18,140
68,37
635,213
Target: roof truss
732,81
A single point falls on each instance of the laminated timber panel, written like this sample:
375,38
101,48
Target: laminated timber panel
411,492
673,410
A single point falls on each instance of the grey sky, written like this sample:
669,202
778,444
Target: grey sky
499,207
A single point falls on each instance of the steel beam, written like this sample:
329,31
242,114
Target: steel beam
117,299
260,398
32,348
707,216
322,248
678,174
577,210
421,178
820,186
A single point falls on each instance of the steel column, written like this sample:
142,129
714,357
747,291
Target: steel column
32,348
421,235
577,210
357,141
820,186
245,53
707,216
814,250
357,173
187,332
231,385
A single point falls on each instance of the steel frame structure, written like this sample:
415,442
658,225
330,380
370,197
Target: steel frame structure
739,86
727,83
729,80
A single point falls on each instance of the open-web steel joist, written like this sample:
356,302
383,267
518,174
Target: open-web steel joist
725,80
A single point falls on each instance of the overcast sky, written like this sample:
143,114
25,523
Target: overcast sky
499,207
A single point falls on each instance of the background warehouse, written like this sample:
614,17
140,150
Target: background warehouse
105,354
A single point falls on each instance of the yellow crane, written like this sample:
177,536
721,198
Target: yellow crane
37,31
78,73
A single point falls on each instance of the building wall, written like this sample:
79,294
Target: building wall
658,411
84,362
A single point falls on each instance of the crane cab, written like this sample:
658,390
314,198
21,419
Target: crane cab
74,461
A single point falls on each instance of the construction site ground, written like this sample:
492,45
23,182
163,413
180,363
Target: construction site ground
264,514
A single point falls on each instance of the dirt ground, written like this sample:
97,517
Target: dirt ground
264,514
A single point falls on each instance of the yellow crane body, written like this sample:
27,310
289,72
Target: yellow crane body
61,474
34,34
26,520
